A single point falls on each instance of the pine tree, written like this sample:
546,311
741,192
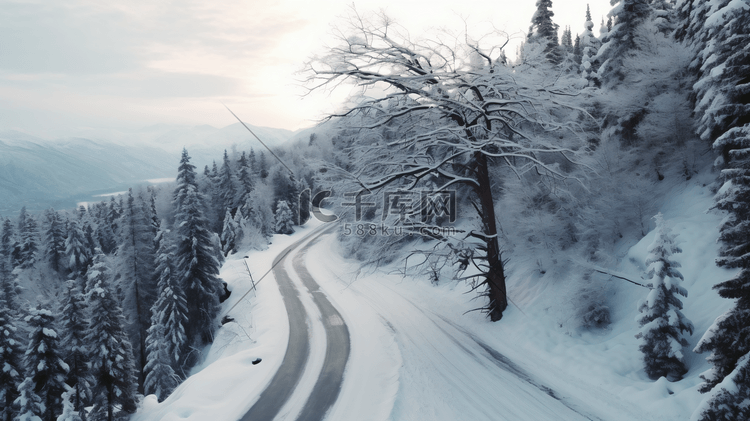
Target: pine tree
78,257
55,241
723,86
197,267
589,47
161,379
31,407
113,213
105,236
11,366
43,360
136,274
209,188
567,52
229,234
29,242
90,240
723,95
252,162
262,166
683,11
152,213
283,220
544,31
7,284
77,355
577,51
245,178
620,40
114,374
661,319
566,40
170,309
287,188
663,15
227,185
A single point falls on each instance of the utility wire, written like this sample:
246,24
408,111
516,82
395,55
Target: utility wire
261,142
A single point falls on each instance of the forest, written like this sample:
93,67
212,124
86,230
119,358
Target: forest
549,159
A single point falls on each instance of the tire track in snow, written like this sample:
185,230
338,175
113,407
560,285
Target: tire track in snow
328,386
283,383
287,378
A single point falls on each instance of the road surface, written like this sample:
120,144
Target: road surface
285,381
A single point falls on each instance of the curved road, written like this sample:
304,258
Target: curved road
328,384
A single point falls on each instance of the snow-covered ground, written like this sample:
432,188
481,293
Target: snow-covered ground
227,384
416,354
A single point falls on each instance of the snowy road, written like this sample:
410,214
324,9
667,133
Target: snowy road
445,372
277,400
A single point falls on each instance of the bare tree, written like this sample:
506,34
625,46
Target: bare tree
446,111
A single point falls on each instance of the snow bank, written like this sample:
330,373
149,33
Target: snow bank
227,384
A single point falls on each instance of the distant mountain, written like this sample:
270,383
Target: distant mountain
39,173
205,143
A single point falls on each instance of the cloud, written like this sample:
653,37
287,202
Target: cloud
139,62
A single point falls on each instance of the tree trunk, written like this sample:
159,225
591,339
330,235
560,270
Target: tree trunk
495,275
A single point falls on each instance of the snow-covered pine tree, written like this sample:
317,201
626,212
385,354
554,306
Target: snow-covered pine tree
723,110
252,162
170,309
113,213
209,188
105,236
197,267
663,14
690,17
730,397
161,379
11,365
6,242
283,220
136,275
227,186
54,247
620,40
7,283
661,320
577,51
77,355
91,242
229,234
567,54
77,253
29,239
262,166
589,47
246,180
115,377
287,188
43,360
153,214
30,405
544,31
566,41
723,85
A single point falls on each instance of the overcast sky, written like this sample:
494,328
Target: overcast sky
70,65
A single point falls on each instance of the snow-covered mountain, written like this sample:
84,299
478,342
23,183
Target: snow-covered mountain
41,173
